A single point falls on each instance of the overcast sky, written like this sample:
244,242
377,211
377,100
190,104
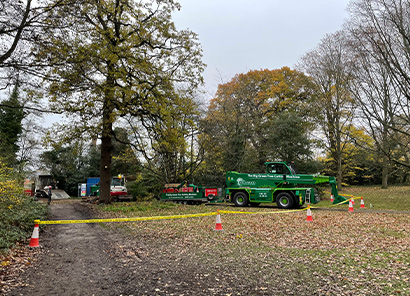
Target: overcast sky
242,35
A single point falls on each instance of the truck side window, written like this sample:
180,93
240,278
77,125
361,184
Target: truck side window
271,169
282,169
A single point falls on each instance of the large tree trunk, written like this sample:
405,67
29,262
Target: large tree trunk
334,136
385,172
105,162
106,139
339,174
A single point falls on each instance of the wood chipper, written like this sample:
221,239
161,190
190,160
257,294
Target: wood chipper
191,194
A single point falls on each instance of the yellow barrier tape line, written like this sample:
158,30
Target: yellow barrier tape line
345,201
124,219
253,213
135,219
333,205
344,195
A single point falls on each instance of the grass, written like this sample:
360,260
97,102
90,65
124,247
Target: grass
340,253
132,207
395,198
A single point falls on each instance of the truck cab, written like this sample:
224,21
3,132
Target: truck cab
279,168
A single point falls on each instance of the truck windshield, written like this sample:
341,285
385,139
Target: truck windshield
116,182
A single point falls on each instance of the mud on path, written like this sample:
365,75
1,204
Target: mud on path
76,258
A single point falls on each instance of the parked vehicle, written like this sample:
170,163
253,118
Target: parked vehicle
42,183
118,187
279,184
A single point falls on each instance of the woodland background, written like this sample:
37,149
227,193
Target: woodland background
128,85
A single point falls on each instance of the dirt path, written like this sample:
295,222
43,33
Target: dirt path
77,258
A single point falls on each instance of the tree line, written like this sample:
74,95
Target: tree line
128,83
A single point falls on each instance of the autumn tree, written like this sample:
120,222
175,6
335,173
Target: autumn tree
110,59
378,98
169,145
20,23
242,120
330,66
124,158
360,163
288,138
380,35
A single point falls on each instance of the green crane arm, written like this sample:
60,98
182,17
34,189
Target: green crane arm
332,181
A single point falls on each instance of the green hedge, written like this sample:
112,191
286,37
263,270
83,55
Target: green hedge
17,211
16,219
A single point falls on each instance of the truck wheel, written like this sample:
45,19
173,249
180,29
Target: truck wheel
284,200
240,199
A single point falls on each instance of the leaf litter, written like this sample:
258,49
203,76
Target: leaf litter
339,253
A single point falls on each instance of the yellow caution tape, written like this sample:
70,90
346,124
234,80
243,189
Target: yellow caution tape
124,219
342,202
157,217
178,216
272,212
345,201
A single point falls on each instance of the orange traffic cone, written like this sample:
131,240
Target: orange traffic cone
218,225
309,215
34,237
331,198
350,206
362,203
352,200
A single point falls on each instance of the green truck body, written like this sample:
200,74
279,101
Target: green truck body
279,184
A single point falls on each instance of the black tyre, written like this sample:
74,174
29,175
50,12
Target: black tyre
240,199
285,200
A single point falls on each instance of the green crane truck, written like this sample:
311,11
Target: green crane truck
279,184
